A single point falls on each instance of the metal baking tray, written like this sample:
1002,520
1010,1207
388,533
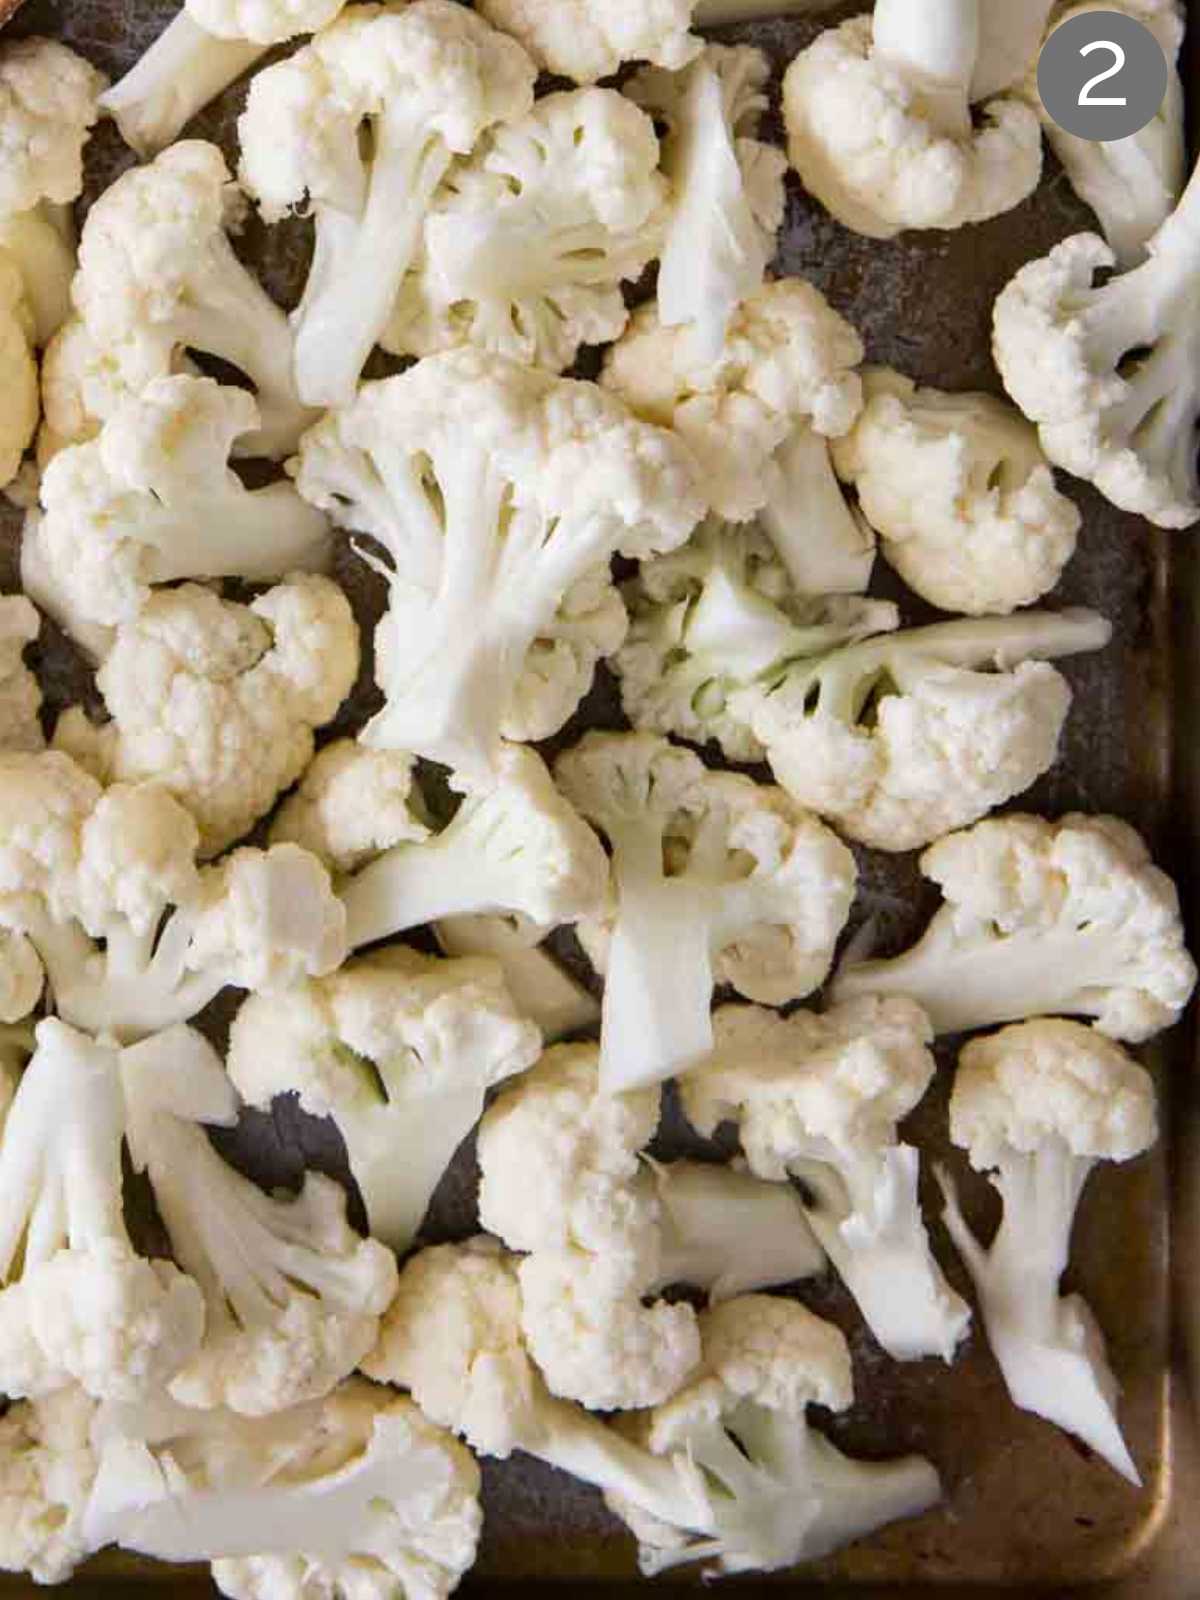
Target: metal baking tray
1026,1507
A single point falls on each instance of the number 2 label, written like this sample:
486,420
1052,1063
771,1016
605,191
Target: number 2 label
1086,98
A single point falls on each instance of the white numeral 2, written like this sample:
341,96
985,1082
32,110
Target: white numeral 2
1118,55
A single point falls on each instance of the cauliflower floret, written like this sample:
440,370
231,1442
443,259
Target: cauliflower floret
820,1098
514,846
427,79
20,694
218,701
153,500
1109,371
589,39
901,738
18,370
354,1494
1043,917
960,493
48,104
47,1465
156,268
781,1493
715,879
787,357
353,803
292,1295
483,582
716,615
205,47
85,380
592,1337
529,239
79,1306
880,130
543,989
1132,184
400,1049
558,1160
21,983
1038,1106
727,187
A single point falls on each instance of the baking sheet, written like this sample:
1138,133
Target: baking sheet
1026,1505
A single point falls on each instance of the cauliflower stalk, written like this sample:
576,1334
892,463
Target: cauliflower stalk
218,701
356,1489
961,495
153,500
529,239
292,1295
1037,1106
715,878
361,126
1109,372
495,490
788,358
900,738
48,105
79,1306
726,188
542,988
879,122
826,545
157,276
400,1050
779,1492
715,616
205,47
819,1098
1040,917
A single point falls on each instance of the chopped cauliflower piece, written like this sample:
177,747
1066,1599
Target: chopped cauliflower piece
900,738
726,188
589,39
715,879
960,493
542,987
1043,917
1037,1106
716,615
153,500
820,1098
788,357
360,127
529,239
352,804
218,701
880,129
495,490
400,1049
47,1467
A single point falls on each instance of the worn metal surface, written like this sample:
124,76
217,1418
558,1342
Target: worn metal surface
1026,1506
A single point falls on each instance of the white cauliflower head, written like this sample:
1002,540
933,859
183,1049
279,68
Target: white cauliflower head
589,39
1042,917
885,139
48,104
529,239
960,493
716,879
787,357
218,701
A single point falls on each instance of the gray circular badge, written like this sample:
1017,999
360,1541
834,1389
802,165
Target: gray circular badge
1102,75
